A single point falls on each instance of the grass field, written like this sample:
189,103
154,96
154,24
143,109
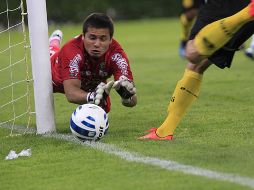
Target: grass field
217,134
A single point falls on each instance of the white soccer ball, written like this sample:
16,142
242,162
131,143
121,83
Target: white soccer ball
89,122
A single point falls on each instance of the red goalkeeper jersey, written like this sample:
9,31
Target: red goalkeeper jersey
73,62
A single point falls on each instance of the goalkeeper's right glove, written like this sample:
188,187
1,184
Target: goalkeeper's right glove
100,94
125,88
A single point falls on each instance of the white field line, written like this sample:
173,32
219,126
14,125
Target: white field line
153,161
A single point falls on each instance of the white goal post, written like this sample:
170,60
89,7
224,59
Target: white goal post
41,69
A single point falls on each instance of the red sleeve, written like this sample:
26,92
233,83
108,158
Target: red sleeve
120,64
70,60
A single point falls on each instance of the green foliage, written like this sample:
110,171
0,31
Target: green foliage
77,10
216,134
62,10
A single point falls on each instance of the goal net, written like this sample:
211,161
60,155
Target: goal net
19,78
15,81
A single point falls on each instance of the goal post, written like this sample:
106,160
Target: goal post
41,68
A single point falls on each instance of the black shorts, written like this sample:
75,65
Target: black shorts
218,9
191,4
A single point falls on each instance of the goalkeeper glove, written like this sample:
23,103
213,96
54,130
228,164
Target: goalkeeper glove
100,94
125,88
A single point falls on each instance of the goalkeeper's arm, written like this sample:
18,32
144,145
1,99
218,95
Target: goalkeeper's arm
75,94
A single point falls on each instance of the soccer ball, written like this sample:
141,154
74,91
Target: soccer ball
89,122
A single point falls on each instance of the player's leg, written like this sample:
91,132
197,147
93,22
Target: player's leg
55,41
185,93
192,80
218,33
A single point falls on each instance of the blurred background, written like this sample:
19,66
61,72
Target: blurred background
62,11
76,10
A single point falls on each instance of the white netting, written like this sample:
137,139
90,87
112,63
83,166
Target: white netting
15,81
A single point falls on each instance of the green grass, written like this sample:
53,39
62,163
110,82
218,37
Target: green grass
13,85
216,134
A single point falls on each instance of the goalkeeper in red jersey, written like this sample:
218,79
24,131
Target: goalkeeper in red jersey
80,69
220,29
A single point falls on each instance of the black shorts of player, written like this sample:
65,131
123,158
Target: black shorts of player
192,4
218,9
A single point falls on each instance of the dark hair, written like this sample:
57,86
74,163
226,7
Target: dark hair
99,20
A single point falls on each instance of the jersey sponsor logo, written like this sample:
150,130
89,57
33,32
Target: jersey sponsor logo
121,63
89,85
74,67
102,66
102,70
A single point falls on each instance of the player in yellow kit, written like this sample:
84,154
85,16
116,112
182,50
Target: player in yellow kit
220,29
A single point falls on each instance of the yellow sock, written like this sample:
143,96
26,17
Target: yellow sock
186,27
215,35
186,91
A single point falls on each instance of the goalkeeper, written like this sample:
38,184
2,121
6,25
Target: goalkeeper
221,27
80,69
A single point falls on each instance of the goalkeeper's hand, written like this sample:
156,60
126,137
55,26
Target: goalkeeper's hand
125,88
100,94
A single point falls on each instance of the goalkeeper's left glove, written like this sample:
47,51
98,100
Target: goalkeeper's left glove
100,94
125,88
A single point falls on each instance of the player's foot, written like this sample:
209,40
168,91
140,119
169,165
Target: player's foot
153,136
182,47
56,35
151,130
249,53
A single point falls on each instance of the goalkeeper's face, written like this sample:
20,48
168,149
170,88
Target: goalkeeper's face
97,41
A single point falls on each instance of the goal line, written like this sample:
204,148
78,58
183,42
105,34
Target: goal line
152,161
